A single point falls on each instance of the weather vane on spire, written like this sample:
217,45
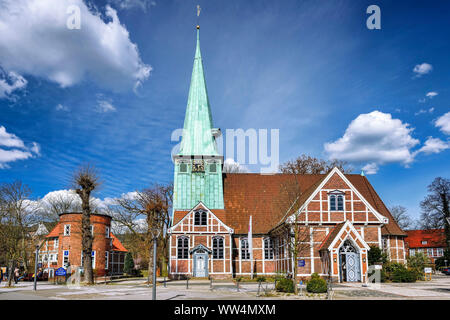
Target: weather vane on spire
198,16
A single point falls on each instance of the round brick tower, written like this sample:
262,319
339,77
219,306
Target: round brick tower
70,252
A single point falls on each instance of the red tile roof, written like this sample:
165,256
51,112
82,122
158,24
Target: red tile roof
255,194
435,238
55,232
331,236
117,245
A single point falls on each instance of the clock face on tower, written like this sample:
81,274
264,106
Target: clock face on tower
198,166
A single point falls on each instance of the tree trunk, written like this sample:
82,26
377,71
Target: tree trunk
86,238
11,272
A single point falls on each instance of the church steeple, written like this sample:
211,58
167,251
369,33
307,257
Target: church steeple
198,164
198,136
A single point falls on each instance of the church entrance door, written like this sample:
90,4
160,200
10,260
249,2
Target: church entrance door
349,263
200,264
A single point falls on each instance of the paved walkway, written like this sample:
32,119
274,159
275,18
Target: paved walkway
438,288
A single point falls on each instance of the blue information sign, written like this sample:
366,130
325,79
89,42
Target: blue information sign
60,272
301,263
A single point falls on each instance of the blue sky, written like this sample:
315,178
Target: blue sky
307,68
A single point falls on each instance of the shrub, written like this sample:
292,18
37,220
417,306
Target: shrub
261,279
285,285
129,263
316,284
417,263
376,255
404,275
440,262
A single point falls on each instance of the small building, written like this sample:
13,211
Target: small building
431,242
62,246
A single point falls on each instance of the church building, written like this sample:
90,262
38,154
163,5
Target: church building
338,216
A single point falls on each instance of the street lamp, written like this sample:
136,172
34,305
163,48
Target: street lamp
35,266
155,233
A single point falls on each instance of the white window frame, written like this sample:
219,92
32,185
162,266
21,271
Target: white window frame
56,243
67,228
92,230
107,231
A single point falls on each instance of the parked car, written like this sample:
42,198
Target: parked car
446,271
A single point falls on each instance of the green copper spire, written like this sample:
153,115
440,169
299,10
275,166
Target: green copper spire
198,165
197,135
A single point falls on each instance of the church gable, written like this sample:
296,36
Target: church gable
336,200
201,220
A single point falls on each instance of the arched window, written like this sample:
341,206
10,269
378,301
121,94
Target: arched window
218,248
200,218
183,247
340,203
268,249
332,202
245,252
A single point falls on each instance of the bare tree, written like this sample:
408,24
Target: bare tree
17,215
435,207
296,235
400,215
85,181
309,165
61,202
144,213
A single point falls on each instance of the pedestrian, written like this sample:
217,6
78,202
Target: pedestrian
16,275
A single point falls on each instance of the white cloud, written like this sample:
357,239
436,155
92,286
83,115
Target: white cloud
374,138
424,111
133,4
370,168
433,145
14,148
232,166
443,123
422,69
432,94
61,107
10,83
35,40
104,106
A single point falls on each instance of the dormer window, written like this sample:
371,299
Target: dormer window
200,218
212,168
336,200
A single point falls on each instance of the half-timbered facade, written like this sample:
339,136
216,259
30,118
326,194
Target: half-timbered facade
337,218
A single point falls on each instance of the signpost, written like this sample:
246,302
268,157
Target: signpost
428,272
301,263
60,272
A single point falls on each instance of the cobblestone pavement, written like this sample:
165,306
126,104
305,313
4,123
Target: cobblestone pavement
438,288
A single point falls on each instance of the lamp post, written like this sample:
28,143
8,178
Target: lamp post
35,266
155,238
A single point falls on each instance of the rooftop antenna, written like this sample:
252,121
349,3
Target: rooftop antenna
198,16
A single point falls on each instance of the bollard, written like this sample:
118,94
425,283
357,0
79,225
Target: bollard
237,286
259,288
165,286
187,283
210,284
